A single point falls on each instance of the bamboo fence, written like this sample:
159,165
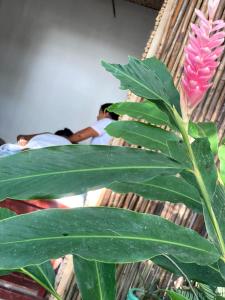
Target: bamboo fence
167,43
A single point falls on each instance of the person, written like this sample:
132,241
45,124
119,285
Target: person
97,131
45,139
98,136
36,141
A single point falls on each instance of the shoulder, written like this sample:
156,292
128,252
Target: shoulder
103,122
100,125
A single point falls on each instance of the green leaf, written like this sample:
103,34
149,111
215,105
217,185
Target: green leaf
175,296
95,280
190,178
202,292
178,151
221,154
208,292
124,235
164,188
141,134
6,213
207,178
205,162
147,111
42,274
218,207
148,79
56,171
208,130
164,75
221,266
205,274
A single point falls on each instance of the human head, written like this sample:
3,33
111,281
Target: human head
2,142
103,113
66,132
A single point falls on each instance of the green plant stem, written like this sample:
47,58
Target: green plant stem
24,271
201,184
182,272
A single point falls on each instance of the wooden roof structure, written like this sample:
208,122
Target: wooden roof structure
154,4
167,43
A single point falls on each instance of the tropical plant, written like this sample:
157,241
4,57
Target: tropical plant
175,162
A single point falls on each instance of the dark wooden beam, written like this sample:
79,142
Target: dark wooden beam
155,4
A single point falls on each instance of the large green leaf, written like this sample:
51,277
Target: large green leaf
221,154
147,111
95,280
208,130
149,79
164,188
205,163
104,234
205,274
141,134
54,171
42,274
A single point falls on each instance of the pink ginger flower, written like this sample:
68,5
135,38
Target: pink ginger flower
201,56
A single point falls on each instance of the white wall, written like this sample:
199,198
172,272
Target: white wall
50,53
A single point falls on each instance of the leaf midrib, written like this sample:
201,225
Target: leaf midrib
98,280
106,237
88,170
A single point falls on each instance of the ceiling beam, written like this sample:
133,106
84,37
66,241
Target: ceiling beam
155,4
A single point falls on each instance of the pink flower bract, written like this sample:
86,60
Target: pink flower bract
201,55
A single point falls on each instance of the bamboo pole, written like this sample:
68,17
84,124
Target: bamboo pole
159,33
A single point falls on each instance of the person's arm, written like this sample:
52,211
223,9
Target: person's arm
83,134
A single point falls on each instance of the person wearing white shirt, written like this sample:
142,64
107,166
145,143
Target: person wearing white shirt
45,139
98,136
97,131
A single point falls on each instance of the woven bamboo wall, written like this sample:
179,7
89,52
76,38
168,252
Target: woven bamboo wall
167,43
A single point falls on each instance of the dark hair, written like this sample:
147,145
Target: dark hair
112,115
2,142
66,132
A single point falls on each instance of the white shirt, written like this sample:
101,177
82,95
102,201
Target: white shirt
38,141
47,140
99,126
